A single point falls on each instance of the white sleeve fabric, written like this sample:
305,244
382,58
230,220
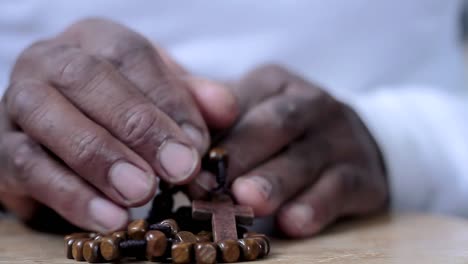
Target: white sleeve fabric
423,135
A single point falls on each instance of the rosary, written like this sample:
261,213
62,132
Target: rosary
160,238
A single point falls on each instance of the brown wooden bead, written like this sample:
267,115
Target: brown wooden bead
77,249
250,248
229,250
263,241
137,229
181,253
156,244
204,236
205,253
218,154
120,234
77,235
251,234
172,224
109,248
185,236
68,247
264,244
98,237
91,251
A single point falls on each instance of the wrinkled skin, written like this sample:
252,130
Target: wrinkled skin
92,119
99,95
299,154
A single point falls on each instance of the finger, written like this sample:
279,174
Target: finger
216,102
139,62
110,100
52,184
260,84
268,186
85,147
273,124
341,190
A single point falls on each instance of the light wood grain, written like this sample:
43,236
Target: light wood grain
384,239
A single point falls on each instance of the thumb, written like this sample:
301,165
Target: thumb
217,103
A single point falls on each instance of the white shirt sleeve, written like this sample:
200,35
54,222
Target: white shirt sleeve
422,133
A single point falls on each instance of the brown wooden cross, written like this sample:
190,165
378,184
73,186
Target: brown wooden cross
223,214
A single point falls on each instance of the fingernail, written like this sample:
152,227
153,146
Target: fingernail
195,136
262,185
300,216
179,161
131,182
106,215
206,181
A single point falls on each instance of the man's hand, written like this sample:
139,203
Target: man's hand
92,118
298,153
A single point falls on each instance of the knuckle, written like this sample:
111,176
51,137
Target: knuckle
270,79
270,69
129,50
167,99
87,22
23,101
313,94
24,159
289,114
85,148
39,58
80,71
34,52
137,124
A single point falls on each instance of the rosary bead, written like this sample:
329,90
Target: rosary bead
262,240
205,253
78,235
229,250
264,244
109,247
218,154
181,253
250,248
204,236
137,229
250,234
185,236
98,237
77,249
120,234
172,224
156,244
68,247
91,251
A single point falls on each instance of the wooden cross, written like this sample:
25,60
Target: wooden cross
223,214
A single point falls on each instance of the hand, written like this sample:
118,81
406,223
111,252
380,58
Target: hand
300,154
92,117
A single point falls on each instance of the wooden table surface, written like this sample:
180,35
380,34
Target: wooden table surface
406,238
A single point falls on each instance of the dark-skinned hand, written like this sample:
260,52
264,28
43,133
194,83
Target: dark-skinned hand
299,154
91,120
